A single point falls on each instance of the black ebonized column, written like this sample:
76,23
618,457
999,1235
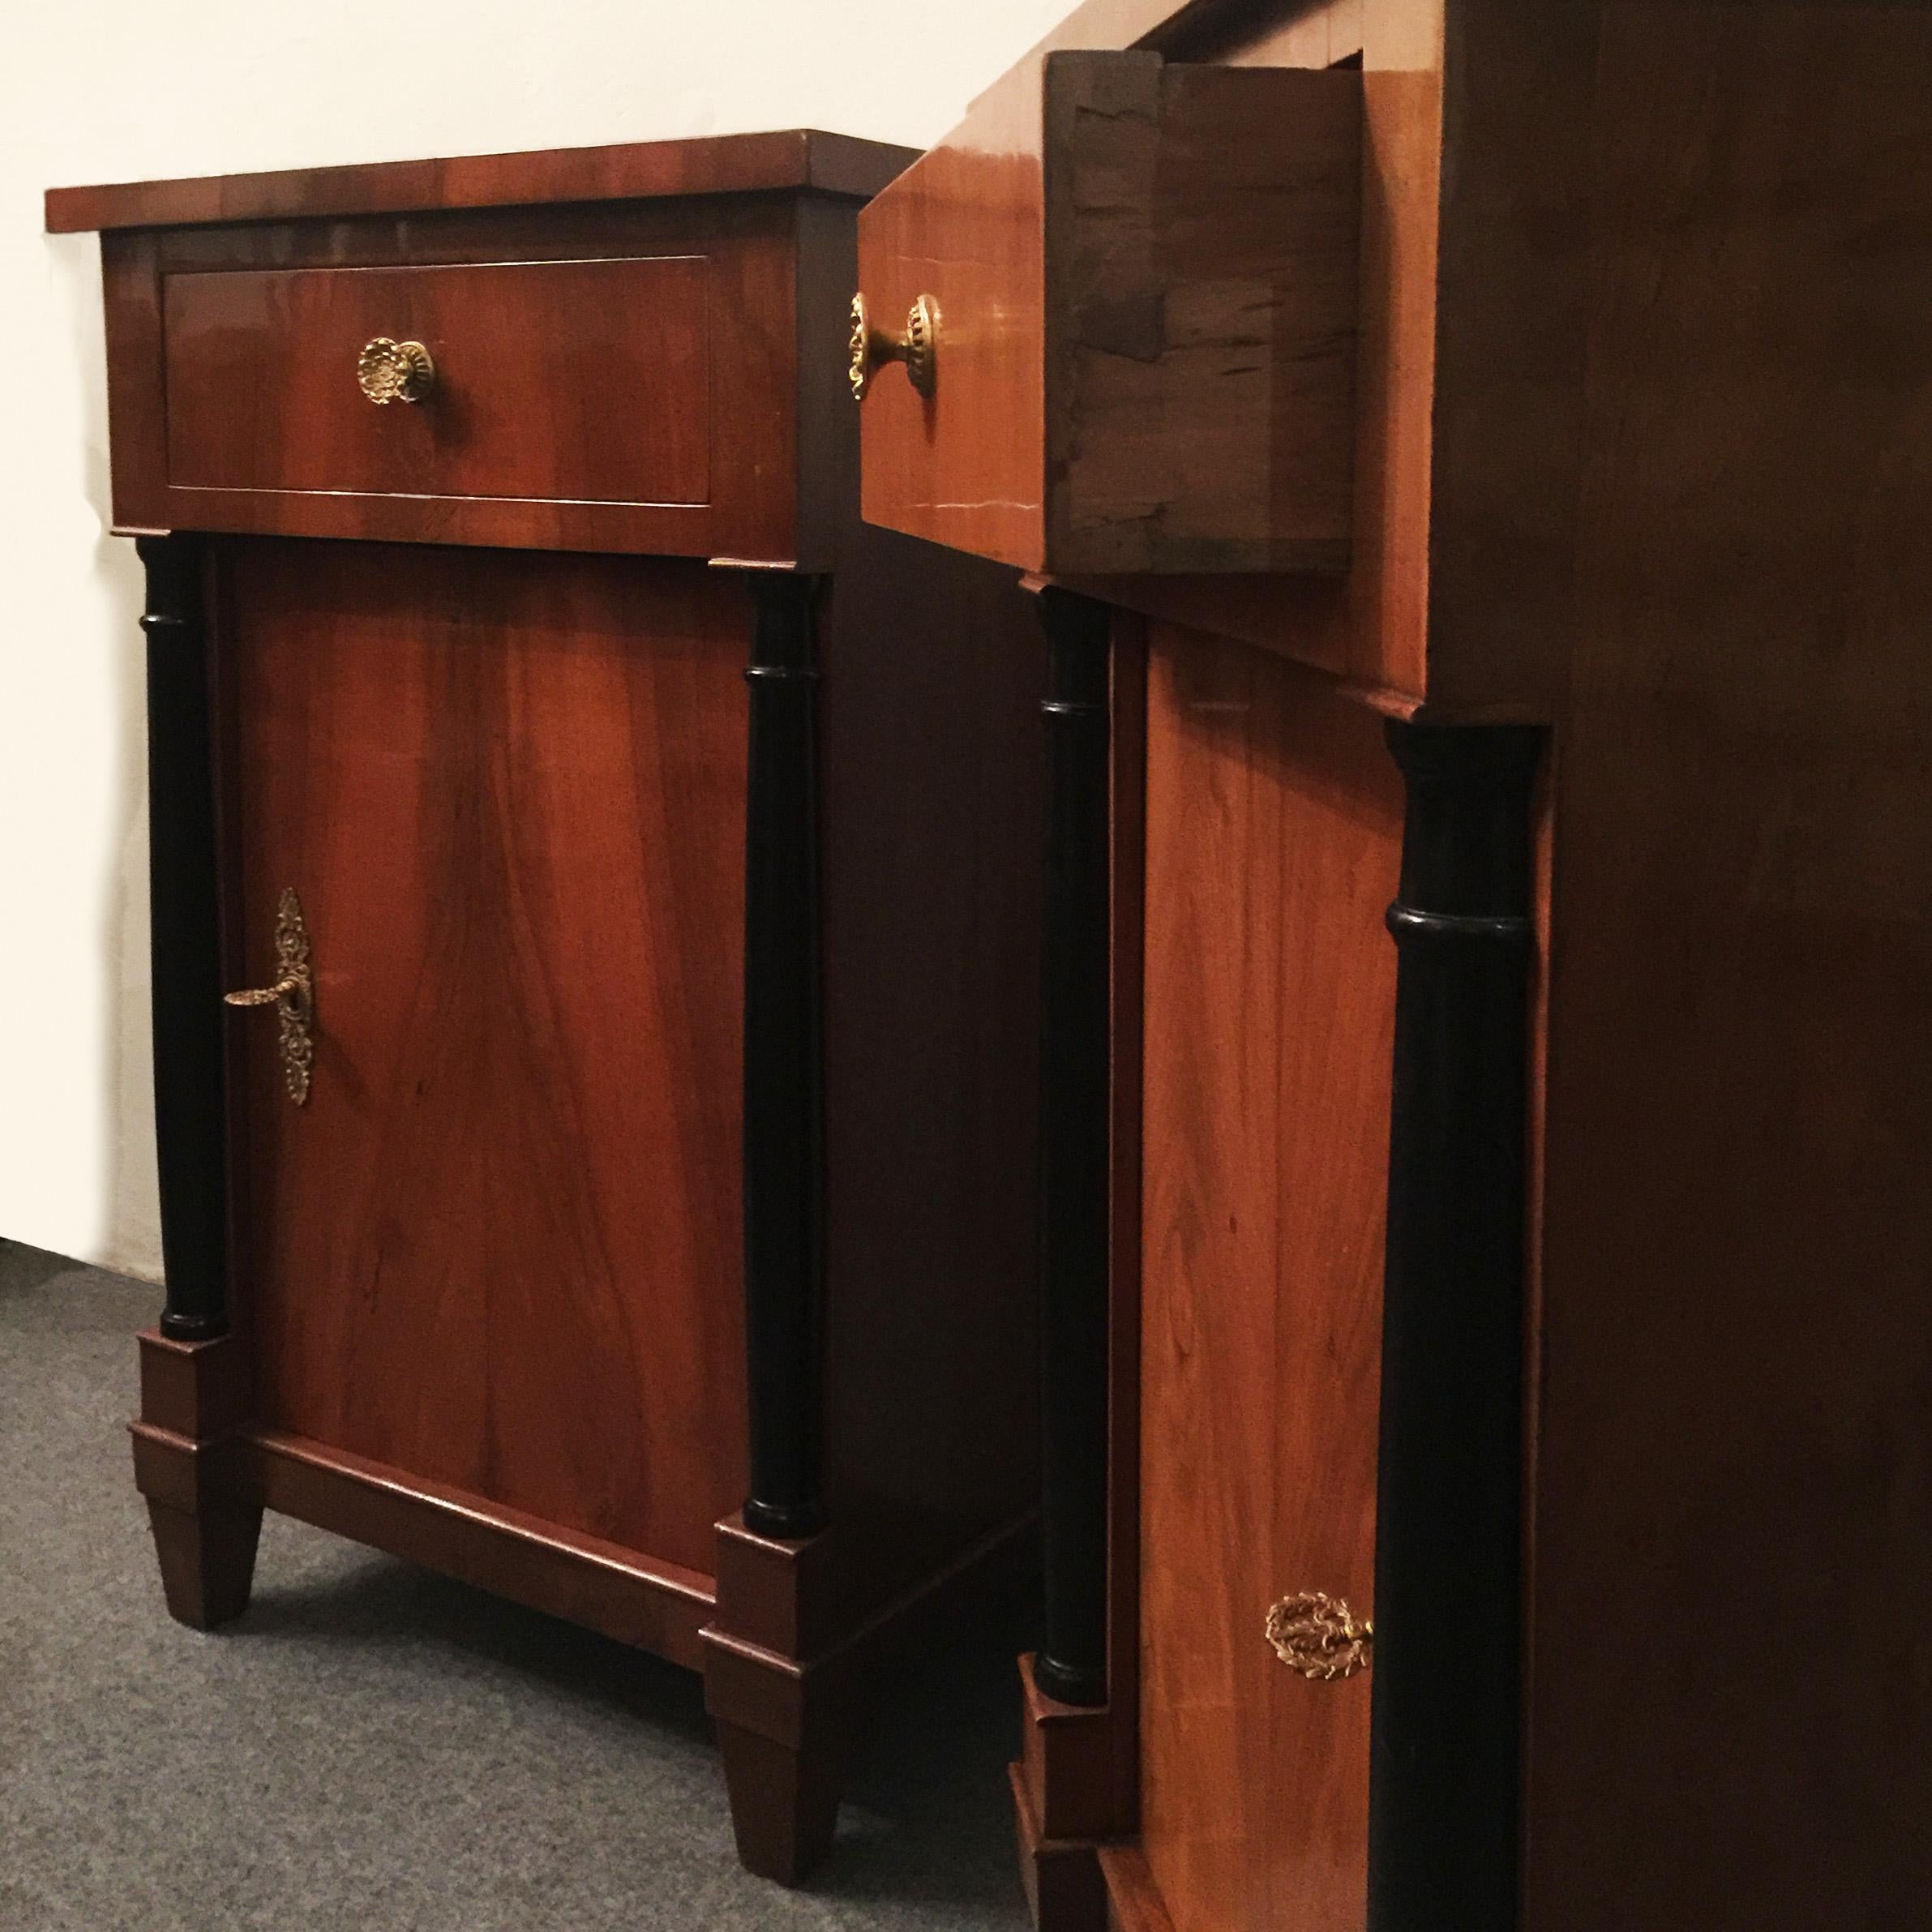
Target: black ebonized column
1075,1053
1446,1702
784,1193
190,1104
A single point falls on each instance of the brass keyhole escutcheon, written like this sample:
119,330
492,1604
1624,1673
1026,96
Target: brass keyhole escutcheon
293,996
391,371
918,348
1317,1634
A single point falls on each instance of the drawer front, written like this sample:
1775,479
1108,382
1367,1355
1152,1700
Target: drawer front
619,379
581,381
963,227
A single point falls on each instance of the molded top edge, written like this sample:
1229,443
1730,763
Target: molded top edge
800,160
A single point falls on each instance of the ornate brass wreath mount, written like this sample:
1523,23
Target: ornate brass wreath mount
918,348
1318,1635
391,371
293,996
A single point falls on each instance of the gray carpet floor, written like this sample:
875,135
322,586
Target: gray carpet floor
375,1748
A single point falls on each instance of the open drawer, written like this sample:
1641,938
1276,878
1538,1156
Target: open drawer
1121,297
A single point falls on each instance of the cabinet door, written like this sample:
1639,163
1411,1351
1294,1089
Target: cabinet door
497,1247
1274,841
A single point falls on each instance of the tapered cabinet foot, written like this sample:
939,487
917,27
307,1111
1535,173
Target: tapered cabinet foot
1061,1877
193,1396
781,1698
206,1559
784,1802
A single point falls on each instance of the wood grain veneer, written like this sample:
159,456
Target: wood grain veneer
482,1298
965,228
617,378
1369,628
460,742
1247,1821
512,801
1133,1901
603,1586
262,394
1146,279
714,164
1274,838
1736,1236
1641,390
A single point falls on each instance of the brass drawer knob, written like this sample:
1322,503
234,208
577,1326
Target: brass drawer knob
1318,1635
293,996
391,371
918,348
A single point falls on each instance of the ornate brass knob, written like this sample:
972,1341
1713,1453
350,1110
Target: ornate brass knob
391,371
293,996
918,348
1318,1635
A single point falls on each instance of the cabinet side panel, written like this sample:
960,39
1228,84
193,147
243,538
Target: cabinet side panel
137,407
932,806
1732,1683
1274,844
498,1246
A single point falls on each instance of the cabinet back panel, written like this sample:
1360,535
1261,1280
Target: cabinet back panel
499,1246
1274,841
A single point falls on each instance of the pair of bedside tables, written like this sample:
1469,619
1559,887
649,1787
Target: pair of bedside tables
1451,1141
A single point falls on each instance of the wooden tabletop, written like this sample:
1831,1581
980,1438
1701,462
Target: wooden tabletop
798,159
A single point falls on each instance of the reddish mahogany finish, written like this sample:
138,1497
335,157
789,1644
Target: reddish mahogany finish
262,390
512,800
800,158
1270,1001
1640,432
487,1283
1145,278
193,1396
630,377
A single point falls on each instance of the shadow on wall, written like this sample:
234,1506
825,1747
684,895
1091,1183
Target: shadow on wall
131,1239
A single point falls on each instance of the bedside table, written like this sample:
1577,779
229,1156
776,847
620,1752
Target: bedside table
595,901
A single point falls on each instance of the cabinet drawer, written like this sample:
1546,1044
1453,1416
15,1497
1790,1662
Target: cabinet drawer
1141,284
619,378
578,381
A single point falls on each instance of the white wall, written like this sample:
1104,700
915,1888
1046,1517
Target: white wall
120,90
